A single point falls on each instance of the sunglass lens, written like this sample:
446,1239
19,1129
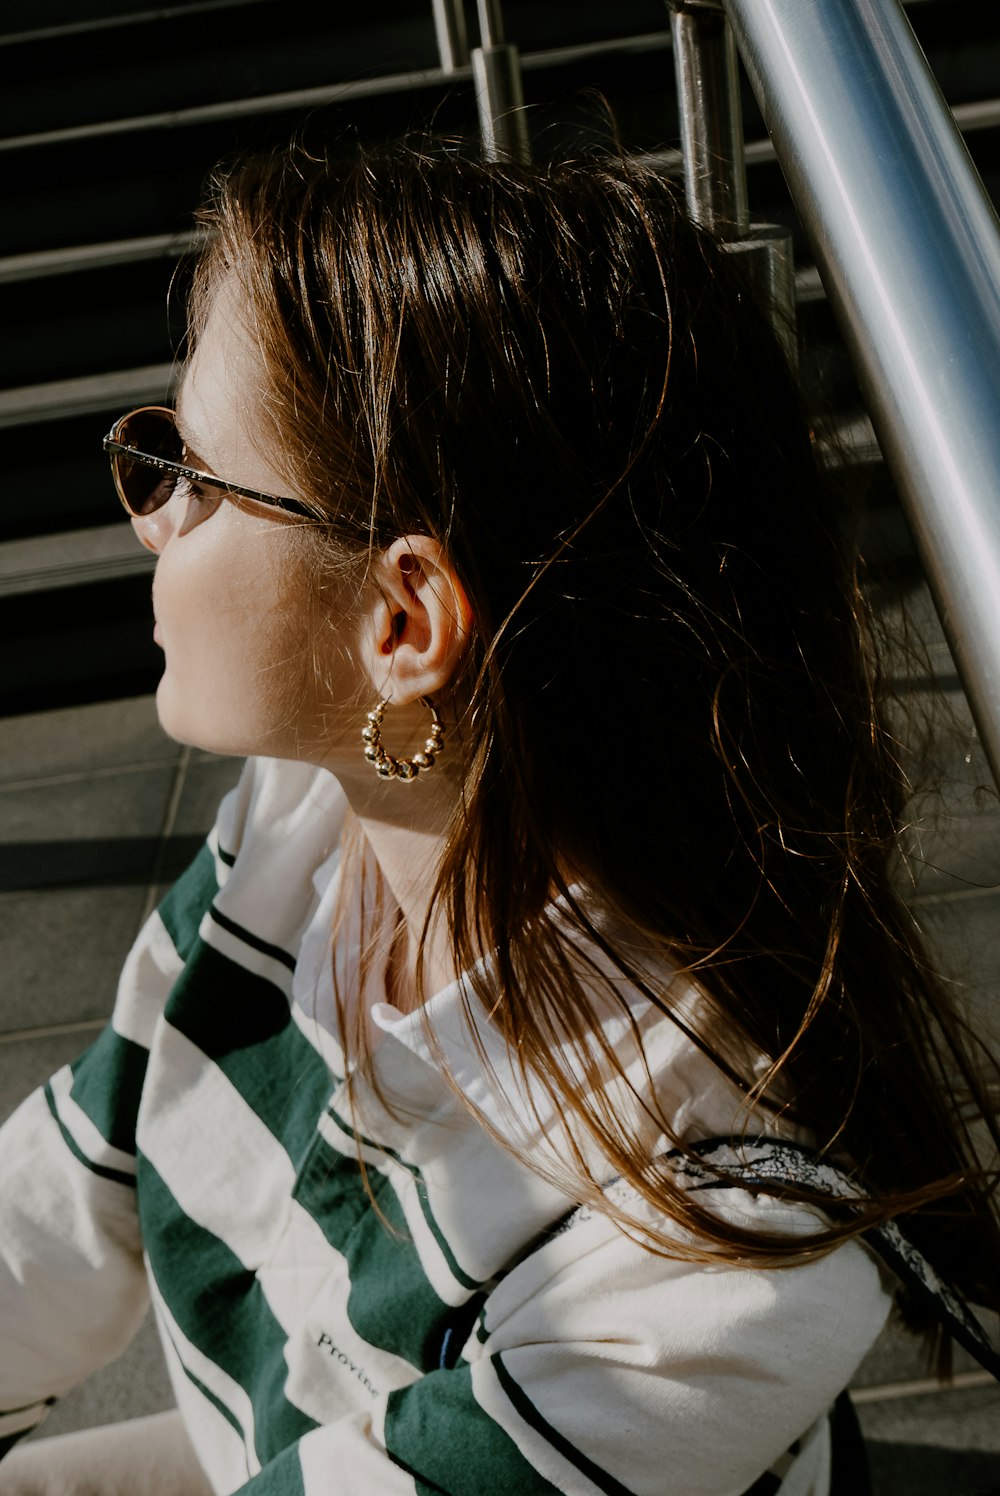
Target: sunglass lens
153,433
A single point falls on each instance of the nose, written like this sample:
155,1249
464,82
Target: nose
153,530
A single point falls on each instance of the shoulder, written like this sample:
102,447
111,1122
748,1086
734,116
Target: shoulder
723,1364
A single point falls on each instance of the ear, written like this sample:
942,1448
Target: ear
419,623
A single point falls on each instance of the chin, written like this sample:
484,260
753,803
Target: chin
176,722
219,722
181,721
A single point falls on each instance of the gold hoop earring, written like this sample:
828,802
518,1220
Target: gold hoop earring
388,767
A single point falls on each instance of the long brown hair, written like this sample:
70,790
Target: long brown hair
550,370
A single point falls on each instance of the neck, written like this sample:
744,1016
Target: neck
409,861
406,827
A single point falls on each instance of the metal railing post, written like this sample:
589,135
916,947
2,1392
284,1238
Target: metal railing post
706,69
908,245
452,39
496,70
711,120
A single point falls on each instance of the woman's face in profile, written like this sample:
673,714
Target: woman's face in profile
232,591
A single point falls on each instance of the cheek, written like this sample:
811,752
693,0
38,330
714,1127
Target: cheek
235,657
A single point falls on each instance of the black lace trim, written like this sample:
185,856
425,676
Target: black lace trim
768,1164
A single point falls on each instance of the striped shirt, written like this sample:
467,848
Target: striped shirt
372,1296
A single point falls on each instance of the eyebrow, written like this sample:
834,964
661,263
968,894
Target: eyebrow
193,459
280,502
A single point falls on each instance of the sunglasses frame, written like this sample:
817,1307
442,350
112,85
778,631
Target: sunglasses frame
116,448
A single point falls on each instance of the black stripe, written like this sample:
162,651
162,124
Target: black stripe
523,1404
248,938
229,858
768,1485
46,1402
7,1441
117,1176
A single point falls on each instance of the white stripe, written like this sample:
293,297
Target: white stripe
83,1131
222,869
354,1448
192,1119
150,970
332,1371
23,1419
228,1459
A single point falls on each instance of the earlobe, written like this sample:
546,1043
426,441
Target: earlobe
421,621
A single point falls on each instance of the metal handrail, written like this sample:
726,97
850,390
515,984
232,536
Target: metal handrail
347,90
496,72
908,245
713,152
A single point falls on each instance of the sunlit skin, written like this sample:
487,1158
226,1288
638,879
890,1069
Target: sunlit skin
243,672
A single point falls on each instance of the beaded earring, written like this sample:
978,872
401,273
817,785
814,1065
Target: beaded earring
388,767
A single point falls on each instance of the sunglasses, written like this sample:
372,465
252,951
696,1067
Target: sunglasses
147,460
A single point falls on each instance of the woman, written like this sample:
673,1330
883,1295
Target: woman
514,1094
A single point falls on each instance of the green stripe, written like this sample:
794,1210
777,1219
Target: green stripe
107,1085
437,1431
281,1477
117,1176
454,1267
768,1485
523,1404
262,1053
183,908
221,1309
391,1303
